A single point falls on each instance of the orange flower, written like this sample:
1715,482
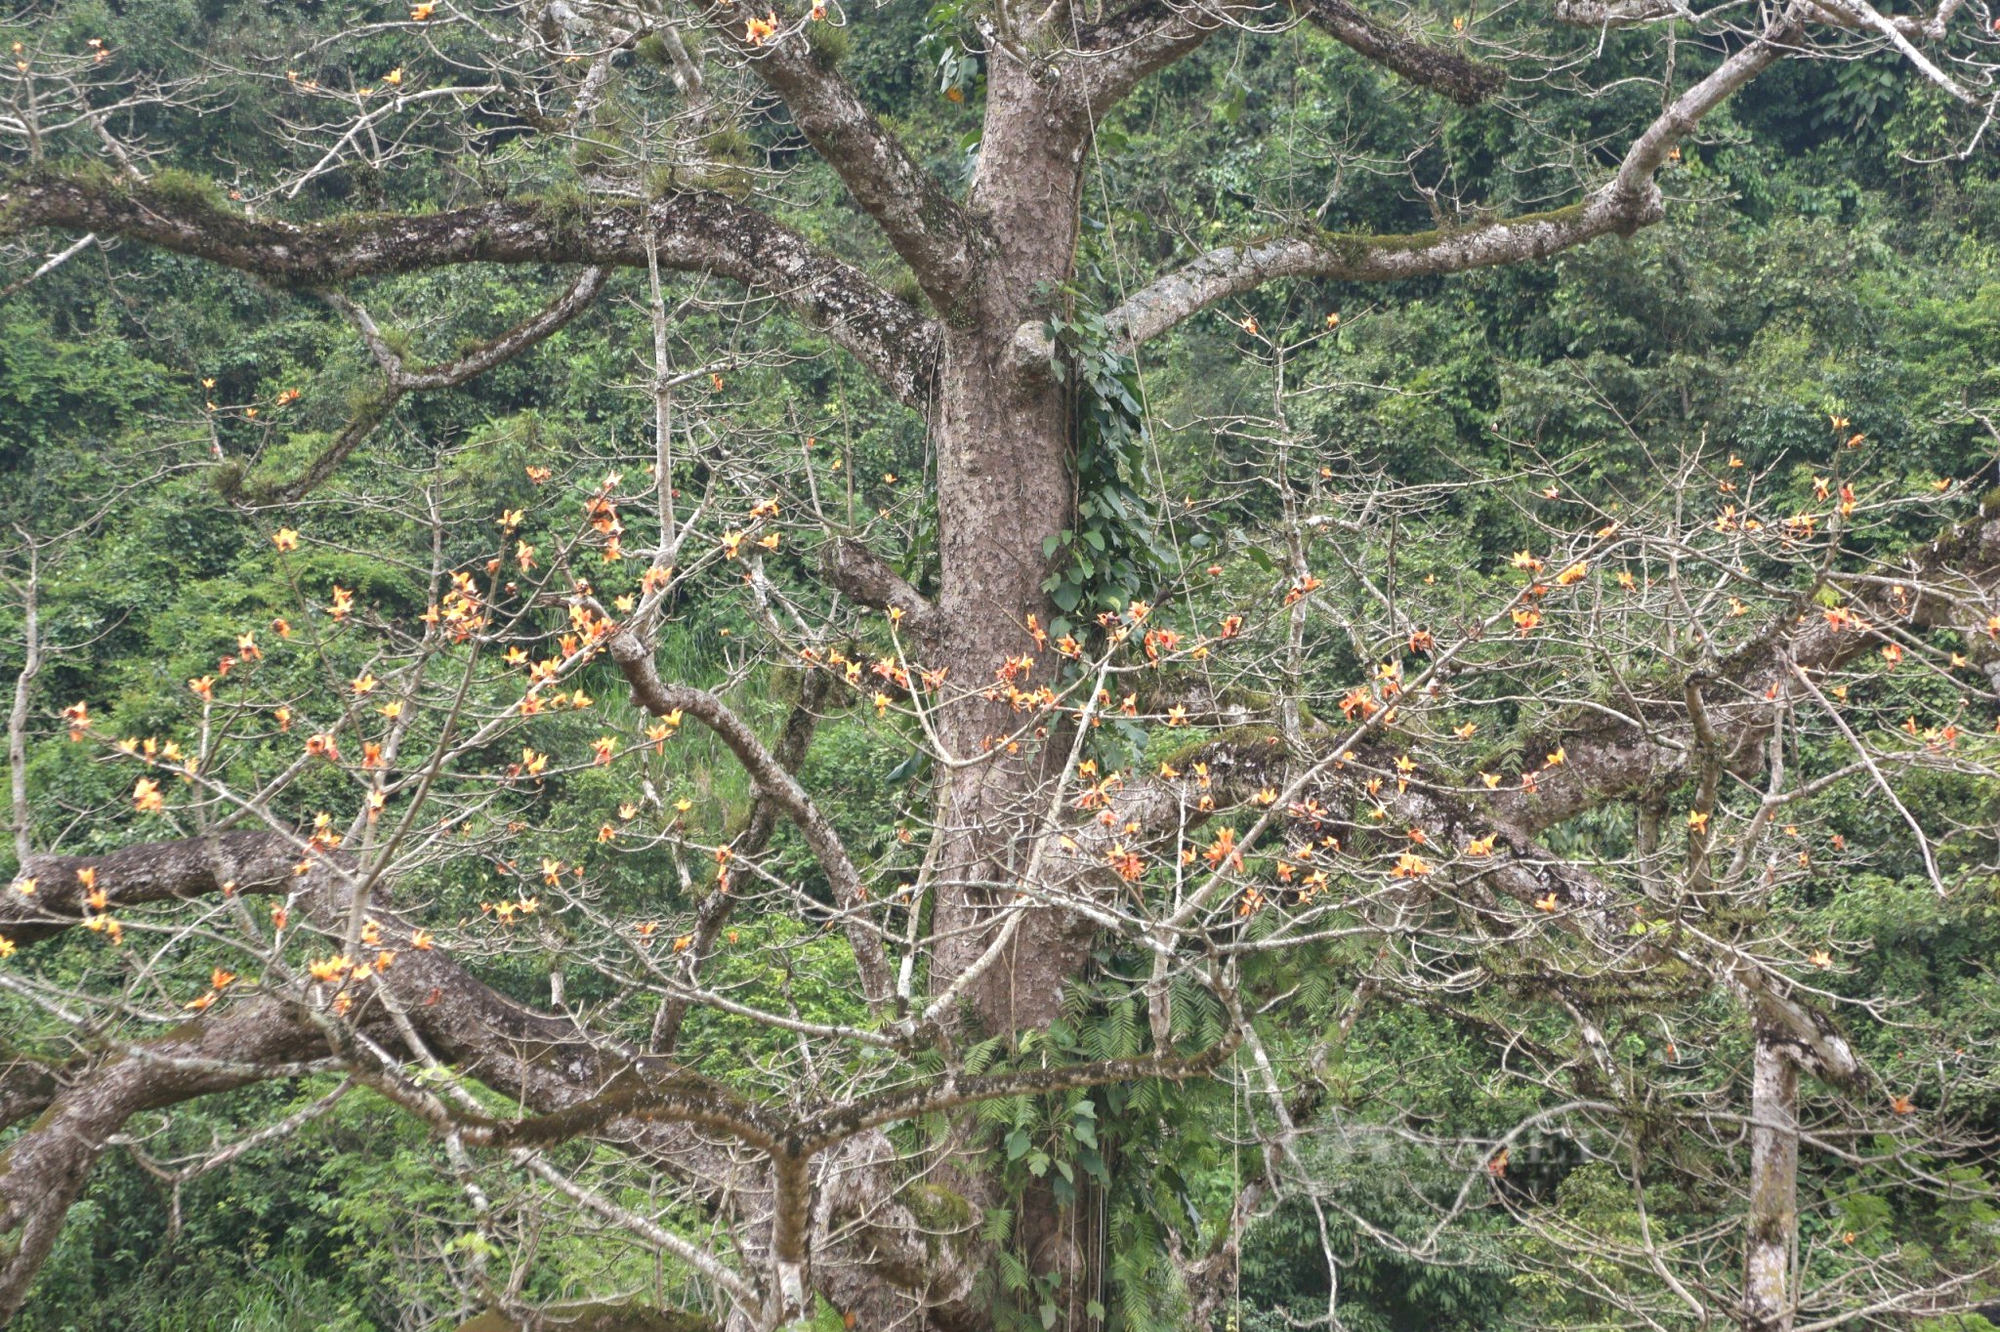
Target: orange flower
330,969
285,538
1223,850
146,797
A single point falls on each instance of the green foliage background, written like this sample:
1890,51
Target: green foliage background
1809,266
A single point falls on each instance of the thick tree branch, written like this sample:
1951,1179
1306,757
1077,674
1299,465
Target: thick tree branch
1141,39
1520,870
1629,201
838,1123
1232,271
928,228
43,1172
184,869
1616,13
694,232
1771,1231
545,1062
863,575
1525,872
1650,742
1438,68
27,1086
1152,34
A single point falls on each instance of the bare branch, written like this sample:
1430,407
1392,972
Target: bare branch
399,379
662,699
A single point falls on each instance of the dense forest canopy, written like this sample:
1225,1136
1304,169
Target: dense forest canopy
992,666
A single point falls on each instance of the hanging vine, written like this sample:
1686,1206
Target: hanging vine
1111,557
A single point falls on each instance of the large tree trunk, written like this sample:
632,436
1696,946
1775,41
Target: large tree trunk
1005,485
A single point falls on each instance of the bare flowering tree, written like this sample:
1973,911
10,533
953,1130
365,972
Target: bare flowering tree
1067,905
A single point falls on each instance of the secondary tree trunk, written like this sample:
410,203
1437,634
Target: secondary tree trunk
1771,1233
